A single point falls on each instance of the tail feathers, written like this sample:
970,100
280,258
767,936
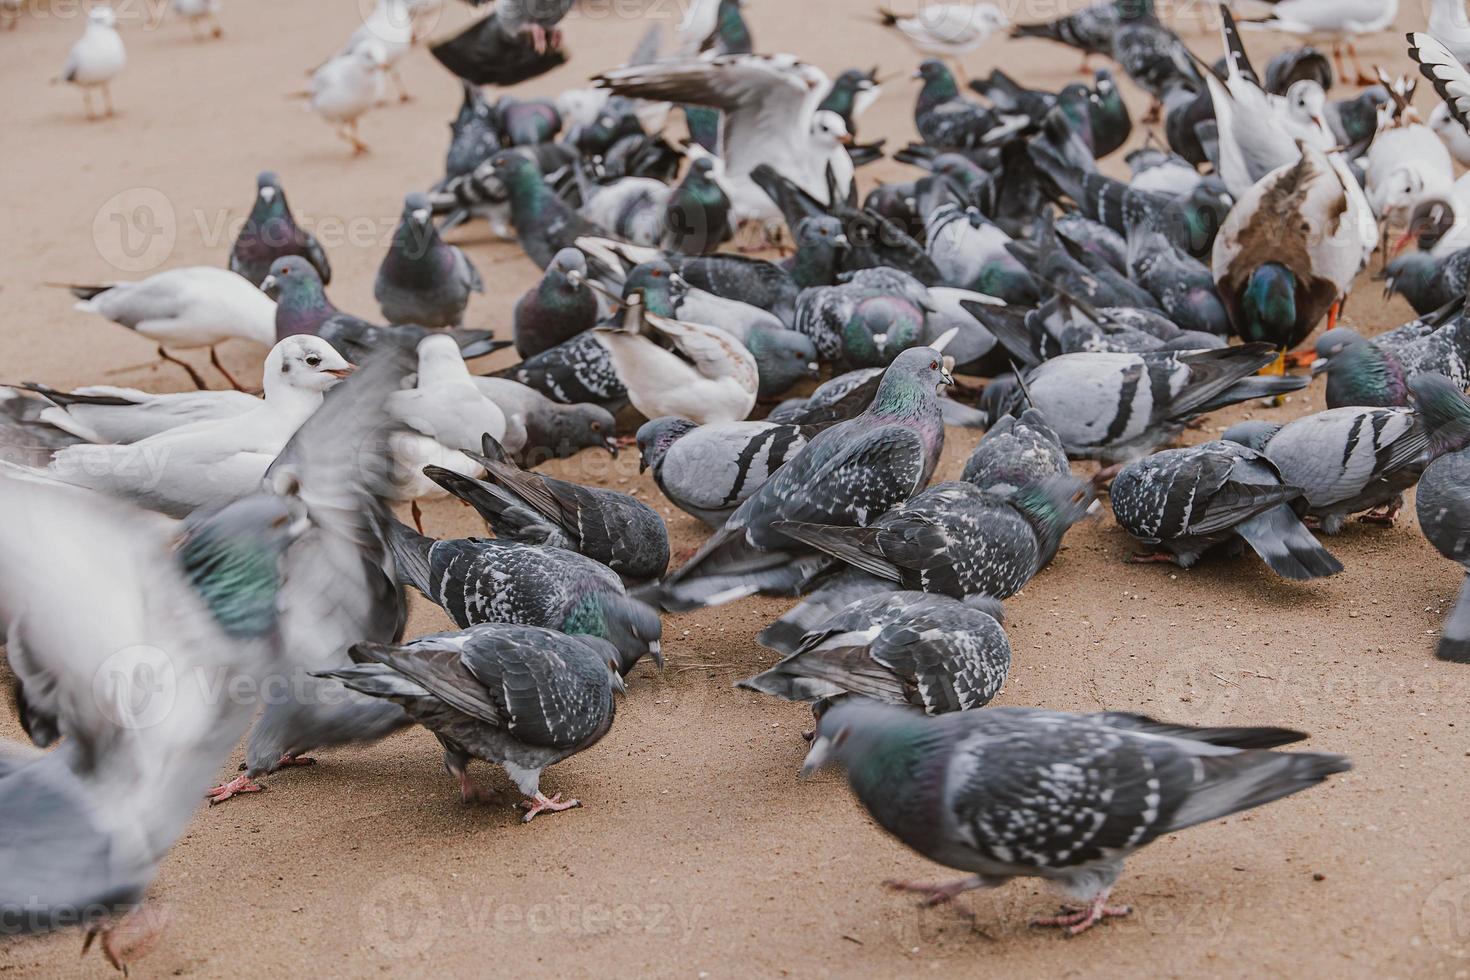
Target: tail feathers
757,572
411,556
1235,738
887,17
1284,543
82,292
1256,386
1241,781
375,680
1047,30
787,633
857,546
778,683
1454,641
1049,161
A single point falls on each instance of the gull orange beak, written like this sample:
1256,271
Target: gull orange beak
342,372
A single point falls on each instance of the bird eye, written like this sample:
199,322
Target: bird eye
934,365
596,426
313,361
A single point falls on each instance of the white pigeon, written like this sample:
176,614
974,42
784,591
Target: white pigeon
948,30
1329,21
217,461
195,306
124,630
1449,26
199,14
1456,137
96,59
349,85
391,26
769,102
708,376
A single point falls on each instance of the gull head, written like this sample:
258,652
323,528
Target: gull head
828,129
305,362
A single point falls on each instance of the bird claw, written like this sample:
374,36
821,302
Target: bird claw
1077,920
236,786
542,803
934,894
128,937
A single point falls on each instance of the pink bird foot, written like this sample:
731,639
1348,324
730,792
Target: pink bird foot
935,893
130,937
236,786
538,37
541,802
1077,920
1151,557
1383,516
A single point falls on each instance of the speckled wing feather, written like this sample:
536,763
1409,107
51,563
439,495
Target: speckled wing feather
549,698
578,370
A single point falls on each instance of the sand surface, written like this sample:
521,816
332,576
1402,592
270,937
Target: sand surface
697,851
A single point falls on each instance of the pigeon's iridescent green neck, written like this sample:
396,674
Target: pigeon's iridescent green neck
900,394
237,576
939,87
734,35
586,617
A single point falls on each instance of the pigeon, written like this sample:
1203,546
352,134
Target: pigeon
270,233
96,59
556,309
1025,792
347,86
1089,30
302,307
1348,460
502,49
945,118
1184,502
852,93
707,471
948,29
910,649
1442,503
1149,53
696,220
707,376
847,475
481,581
194,306
770,105
970,252
1427,281
608,526
1017,451
544,224
574,371
1119,407
474,135
217,461
1376,373
957,539
84,827
522,697
538,429
341,571
422,279
1181,284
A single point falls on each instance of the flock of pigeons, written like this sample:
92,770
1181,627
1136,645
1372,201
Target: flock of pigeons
230,541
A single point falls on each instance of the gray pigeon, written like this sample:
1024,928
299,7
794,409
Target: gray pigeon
119,626
709,470
538,429
1376,373
271,233
1118,407
846,476
957,539
1023,792
519,696
482,581
1017,451
1442,502
906,648
423,280
557,308
1348,460
1186,501
343,588
608,526
576,371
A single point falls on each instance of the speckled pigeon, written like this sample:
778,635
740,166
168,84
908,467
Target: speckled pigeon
557,308
609,526
847,475
490,581
543,222
956,539
474,135
575,371
906,648
1442,502
1186,501
538,429
1118,407
302,307
422,279
708,471
1376,372
1017,451
519,696
271,233
1348,460
1024,792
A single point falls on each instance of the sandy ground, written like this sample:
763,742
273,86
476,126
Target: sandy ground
697,852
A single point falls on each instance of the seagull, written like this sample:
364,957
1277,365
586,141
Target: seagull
96,59
769,104
949,30
199,13
1337,21
391,27
195,306
347,86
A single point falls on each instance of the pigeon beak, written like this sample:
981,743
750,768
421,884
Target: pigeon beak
842,241
816,756
656,651
813,369
881,341
575,278
420,215
945,375
642,464
341,372
267,194
269,285
1318,366
611,445
617,683
917,74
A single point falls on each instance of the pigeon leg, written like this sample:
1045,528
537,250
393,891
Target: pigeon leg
940,892
554,39
471,792
1078,920
236,786
193,374
543,803
214,359
1151,557
129,937
538,37
1105,475
403,95
1384,515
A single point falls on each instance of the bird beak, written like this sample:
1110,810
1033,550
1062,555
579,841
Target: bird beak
574,277
845,139
420,215
842,241
656,651
269,285
267,193
611,445
813,369
816,756
945,372
1318,366
617,683
917,74
342,372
